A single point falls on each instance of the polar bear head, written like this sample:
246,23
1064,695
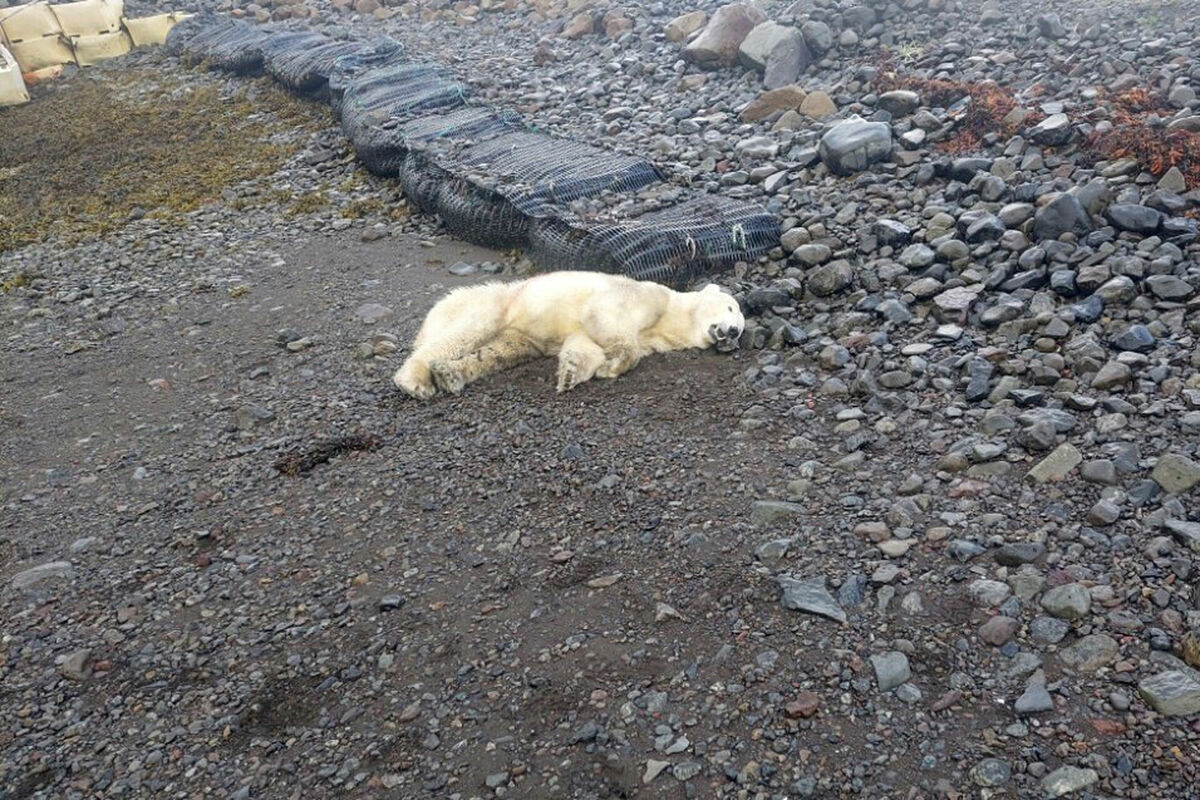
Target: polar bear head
717,317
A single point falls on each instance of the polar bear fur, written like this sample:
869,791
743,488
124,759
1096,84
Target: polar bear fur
598,325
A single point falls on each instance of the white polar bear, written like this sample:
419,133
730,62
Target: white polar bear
597,324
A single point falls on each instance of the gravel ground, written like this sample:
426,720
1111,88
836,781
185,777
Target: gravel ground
933,531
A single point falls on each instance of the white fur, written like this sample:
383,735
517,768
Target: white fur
598,325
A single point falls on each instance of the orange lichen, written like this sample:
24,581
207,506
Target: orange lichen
1156,149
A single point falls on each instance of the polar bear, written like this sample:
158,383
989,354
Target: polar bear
598,325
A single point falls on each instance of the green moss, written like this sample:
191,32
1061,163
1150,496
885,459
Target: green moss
86,152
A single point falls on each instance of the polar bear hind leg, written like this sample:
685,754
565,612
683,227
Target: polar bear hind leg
459,324
578,360
507,349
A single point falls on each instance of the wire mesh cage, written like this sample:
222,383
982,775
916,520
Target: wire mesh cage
383,148
397,92
673,246
303,65
348,68
229,45
506,181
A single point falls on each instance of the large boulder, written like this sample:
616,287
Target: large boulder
817,36
769,102
855,144
785,63
717,45
1064,214
683,26
756,48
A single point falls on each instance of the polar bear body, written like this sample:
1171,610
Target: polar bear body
598,325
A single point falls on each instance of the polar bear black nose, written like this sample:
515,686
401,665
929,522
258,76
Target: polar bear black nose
733,332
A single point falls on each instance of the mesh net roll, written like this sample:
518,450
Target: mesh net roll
304,65
383,148
674,246
397,92
183,31
231,45
348,68
420,180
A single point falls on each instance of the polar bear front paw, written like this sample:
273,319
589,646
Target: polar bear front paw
568,374
448,379
412,386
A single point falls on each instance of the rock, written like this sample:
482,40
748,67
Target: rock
817,36
986,593
1014,554
1111,375
891,669
1169,287
787,61
810,595
1034,700
1173,693
899,102
718,43
1069,601
805,705
370,313
683,26
1050,26
1134,218
772,512
654,769
1090,653
1064,214
1054,130
991,772
1068,780
772,101
580,25
77,666
855,144
830,278
1175,473
1057,465
998,630
1101,471
1173,181
1186,533
953,304
27,579
762,40
757,147
252,415
1135,338
616,24
818,105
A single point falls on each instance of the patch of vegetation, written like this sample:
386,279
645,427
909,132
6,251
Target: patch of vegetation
1154,148
87,152
987,110
307,203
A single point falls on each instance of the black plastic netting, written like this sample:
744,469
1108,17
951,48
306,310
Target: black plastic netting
674,246
231,45
420,179
383,148
397,92
183,31
304,65
349,68
503,183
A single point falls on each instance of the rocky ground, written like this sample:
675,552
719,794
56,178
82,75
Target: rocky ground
933,531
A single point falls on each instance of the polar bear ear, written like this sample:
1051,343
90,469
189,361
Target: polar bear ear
712,288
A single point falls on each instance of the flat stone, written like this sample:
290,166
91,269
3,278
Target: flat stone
998,630
891,669
1111,375
1034,700
772,512
770,102
1186,533
818,105
811,596
855,144
370,313
77,666
683,26
1173,693
1069,601
27,579
1057,465
1176,473
1068,780
986,593
1090,653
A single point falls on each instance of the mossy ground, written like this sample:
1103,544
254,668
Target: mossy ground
79,159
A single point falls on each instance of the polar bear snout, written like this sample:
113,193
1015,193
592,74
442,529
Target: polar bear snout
720,334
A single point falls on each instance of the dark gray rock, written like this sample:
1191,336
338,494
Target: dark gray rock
853,145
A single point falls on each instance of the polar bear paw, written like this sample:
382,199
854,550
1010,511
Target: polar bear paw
448,379
407,381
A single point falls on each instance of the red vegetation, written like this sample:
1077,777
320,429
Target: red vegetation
990,104
1156,149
